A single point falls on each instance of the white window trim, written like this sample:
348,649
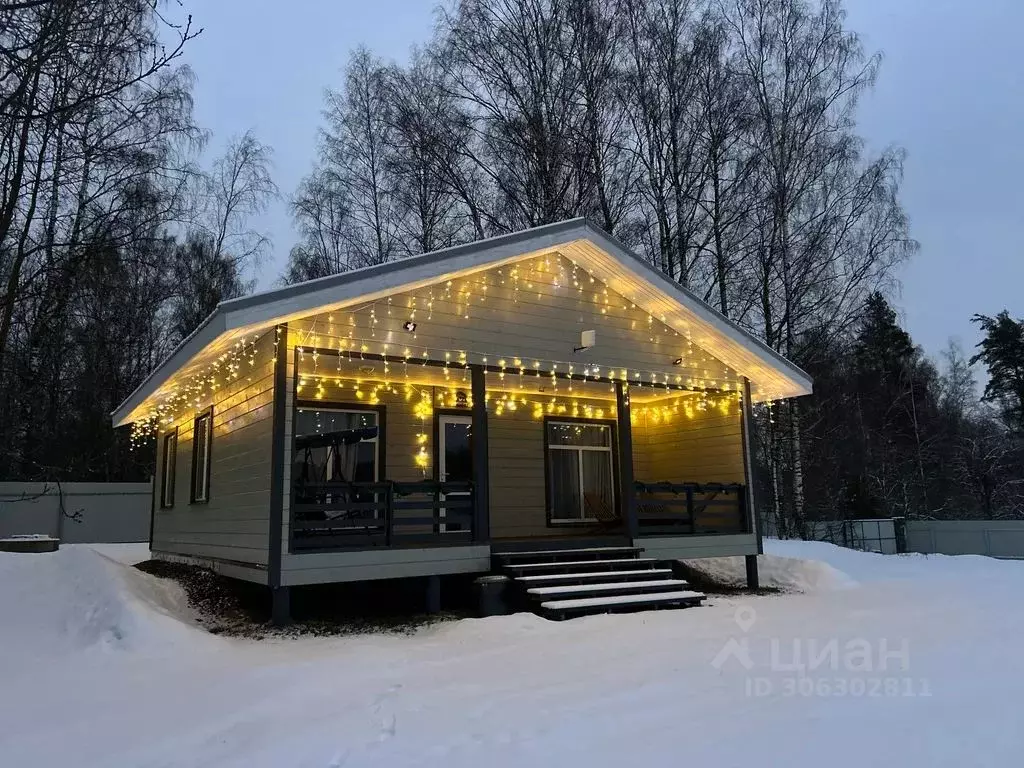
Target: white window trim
442,419
579,466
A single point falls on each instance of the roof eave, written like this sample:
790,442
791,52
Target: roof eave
266,307
207,332
802,382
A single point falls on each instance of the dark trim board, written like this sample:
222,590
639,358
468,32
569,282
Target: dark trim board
747,426
277,459
481,457
162,462
205,413
152,506
617,501
423,361
625,459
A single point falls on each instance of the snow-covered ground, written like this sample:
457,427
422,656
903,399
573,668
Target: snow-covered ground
100,666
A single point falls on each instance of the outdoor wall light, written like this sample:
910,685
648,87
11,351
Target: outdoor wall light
410,326
677,361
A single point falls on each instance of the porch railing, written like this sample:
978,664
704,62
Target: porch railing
341,515
672,509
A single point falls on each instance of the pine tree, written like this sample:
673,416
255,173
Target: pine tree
1002,351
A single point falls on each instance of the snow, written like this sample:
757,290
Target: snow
789,574
101,665
591,575
647,597
606,587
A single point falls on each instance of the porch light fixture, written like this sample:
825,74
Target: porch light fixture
677,361
410,326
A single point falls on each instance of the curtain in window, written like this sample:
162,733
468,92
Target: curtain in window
598,501
565,484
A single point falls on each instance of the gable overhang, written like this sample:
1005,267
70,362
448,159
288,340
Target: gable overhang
772,376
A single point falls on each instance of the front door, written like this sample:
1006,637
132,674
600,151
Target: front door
455,457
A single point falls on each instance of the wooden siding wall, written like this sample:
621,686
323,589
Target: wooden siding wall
234,523
516,466
542,323
705,448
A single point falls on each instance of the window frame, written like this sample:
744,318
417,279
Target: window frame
207,460
164,486
611,449
379,442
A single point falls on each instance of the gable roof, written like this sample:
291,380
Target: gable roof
600,253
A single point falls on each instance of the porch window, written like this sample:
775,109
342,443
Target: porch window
354,462
580,472
170,461
202,436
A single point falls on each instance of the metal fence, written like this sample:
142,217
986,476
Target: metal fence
871,535
107,513
994,538
883,535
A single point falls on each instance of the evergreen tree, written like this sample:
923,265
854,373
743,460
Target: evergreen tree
1002,352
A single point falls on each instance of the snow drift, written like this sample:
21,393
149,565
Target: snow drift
78,599
788,574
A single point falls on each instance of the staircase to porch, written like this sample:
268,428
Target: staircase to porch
566,583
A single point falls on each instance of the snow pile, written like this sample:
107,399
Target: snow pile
77,599
787,574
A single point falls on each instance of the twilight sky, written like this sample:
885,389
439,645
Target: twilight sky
949,92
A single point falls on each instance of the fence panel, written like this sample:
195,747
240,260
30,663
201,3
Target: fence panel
108,513
995,538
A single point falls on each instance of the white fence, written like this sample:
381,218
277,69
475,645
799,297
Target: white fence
77,512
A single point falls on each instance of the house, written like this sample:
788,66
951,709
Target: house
410,419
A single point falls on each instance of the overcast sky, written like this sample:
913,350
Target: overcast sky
949,93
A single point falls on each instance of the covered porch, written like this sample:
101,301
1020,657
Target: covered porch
391,452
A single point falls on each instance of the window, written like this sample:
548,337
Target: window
352,457
170,462
202,436
580,472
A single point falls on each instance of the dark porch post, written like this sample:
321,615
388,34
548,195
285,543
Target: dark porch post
746,427
481,481
627,492
279,595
